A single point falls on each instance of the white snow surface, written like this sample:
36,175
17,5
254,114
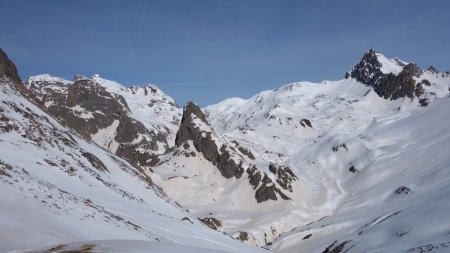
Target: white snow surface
121,246
54,190
389,143
393,66
46,78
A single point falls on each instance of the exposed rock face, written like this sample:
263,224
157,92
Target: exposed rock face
268,190
95,107
254,177
367,70
101,116
338,147
305,123
285,176
402,190
211,222
243,236
230,161
9,72
244,151
336,249
352,169
204,142
95,162
432,69
386,85
8,69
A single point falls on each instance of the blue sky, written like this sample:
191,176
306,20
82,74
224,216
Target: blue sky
210,50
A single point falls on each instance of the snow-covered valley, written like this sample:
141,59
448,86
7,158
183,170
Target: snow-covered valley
355,165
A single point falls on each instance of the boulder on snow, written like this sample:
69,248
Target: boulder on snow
402,190
243,236
211,222
305,122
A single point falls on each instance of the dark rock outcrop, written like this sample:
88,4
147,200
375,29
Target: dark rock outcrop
88,107
305,123
432,69
352,169
92,99
194,127
95,162
338,147
211,222
367,70
244,151
307,236
204,142
254,177
388,86
335,249
268,191
425,82
243,236
285,176
8,71
402,190
8,68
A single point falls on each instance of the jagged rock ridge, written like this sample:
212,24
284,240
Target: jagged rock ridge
8,68
230,161
204,143
349,121
390,78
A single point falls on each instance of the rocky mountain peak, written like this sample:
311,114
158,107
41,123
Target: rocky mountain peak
231,159
390,78
412,69
188,128
367,68
195,128
78,77
432,69
192,109
8,69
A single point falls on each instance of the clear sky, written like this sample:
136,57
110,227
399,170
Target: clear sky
209,50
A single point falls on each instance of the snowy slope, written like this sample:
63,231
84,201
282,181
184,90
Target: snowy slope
333,157
57,188
120,246
400,201
394,66
370,162
216,178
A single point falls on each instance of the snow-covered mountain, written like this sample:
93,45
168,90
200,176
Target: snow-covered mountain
62,193
354,165
356,152
135,123
219,180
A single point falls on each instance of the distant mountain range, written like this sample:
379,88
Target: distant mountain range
355,165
